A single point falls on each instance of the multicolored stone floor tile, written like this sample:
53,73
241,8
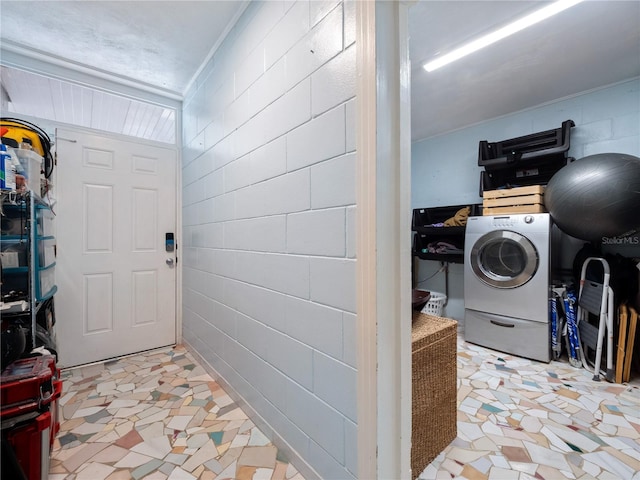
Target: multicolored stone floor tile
160,416
157,416
522,420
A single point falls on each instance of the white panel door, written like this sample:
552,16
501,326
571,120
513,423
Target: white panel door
116,281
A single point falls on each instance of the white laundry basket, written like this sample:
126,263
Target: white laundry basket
435,304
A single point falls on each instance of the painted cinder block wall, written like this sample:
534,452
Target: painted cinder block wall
268,223
444,169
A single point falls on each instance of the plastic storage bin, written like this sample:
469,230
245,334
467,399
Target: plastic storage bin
44,217
15,253
14,220
32,164
46,282
435,305
46,252
15,284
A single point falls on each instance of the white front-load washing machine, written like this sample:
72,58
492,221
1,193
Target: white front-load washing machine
506,283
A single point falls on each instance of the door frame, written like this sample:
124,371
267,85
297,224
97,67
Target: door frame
383,241
51,126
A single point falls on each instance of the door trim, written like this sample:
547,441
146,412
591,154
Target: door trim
52,128
383,267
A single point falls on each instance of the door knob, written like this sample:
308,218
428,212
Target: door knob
169,261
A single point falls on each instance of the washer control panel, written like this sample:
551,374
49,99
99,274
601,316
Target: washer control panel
517,222
506,221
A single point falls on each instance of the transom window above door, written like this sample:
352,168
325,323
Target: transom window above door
34,95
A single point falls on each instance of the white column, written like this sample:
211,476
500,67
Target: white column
383,240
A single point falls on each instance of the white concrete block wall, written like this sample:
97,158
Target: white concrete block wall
607,120
445,168
269,223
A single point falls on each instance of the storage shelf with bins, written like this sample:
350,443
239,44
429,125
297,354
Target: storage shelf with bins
45,254
439,243
28,259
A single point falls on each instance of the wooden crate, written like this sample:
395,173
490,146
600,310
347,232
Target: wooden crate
514,200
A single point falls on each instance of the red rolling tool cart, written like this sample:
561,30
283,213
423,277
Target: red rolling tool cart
30,389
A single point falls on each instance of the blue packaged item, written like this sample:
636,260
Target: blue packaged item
575,354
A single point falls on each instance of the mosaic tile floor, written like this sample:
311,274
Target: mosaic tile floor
157,416
524,420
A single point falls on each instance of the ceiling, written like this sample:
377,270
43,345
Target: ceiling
143,43
159,44
592,44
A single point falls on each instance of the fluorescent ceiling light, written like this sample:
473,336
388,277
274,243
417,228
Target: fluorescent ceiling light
501,33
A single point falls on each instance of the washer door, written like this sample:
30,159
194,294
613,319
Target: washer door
504,259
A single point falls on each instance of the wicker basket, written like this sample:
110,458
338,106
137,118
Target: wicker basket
434,373
435,304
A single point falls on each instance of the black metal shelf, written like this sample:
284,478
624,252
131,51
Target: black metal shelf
422,224
441,257
21,225
440,231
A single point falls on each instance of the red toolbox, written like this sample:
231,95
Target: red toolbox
30,389
25,446
28,384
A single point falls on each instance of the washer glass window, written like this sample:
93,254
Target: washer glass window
504,259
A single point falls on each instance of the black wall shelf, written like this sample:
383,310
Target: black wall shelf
426,234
